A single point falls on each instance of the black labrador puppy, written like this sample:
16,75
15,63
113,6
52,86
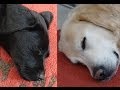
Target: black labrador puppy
24,35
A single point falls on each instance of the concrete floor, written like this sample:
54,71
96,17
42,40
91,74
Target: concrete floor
62,14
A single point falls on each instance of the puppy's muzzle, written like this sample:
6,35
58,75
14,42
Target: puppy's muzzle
41,76
101,73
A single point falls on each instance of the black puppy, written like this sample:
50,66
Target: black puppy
25,37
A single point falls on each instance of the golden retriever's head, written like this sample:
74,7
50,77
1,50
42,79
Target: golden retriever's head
91,45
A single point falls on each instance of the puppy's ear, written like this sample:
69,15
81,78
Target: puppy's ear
48,16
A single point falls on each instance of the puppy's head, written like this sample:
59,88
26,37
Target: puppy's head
95,47
30,47
31,67
28,41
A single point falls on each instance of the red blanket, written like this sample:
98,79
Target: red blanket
9,76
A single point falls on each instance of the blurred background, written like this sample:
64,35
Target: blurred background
63,10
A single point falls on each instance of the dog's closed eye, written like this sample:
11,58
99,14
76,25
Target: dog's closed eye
40,51
83,43
116,54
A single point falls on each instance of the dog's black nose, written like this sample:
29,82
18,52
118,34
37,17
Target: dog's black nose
102,73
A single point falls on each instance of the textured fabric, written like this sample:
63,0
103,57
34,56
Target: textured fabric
77,75
9,76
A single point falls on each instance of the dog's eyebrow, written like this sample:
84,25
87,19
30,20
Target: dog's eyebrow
116,54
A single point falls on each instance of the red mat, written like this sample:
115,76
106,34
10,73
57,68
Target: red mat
73,75
9,76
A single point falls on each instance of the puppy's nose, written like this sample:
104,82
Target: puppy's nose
41,76
101,73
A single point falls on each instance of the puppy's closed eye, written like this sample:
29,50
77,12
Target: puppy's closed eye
83,43
40,51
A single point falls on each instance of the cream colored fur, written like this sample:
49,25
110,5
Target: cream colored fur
100,24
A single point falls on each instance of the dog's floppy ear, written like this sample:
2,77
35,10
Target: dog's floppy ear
48,16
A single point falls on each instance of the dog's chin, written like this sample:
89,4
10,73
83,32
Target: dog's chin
32,76
28,78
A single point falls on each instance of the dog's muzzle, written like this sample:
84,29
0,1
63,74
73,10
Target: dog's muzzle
101,73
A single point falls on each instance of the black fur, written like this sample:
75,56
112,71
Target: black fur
25,37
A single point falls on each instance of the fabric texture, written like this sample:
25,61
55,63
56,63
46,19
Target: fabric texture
9,76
